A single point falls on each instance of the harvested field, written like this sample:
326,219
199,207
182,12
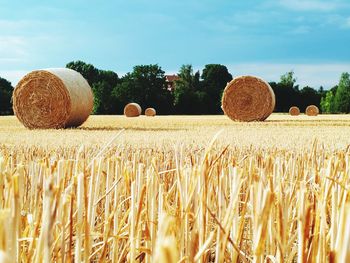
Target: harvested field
170,188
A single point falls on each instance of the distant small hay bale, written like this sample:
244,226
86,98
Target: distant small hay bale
151,112
248,98
294,111
312,110
132,110
52,98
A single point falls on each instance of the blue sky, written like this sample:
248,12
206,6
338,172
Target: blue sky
265,38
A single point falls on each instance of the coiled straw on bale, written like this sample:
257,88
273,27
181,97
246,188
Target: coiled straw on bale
248,98
312,110
132,110
294,111
150,112
52,98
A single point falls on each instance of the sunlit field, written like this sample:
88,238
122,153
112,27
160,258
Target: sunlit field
177,189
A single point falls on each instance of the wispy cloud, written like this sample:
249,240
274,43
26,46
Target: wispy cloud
12,47
249,17
311,5
10,24
347,23
301,30
337,20
13,75
171,33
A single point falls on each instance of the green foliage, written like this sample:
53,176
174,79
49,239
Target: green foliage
215,78
286,96
89,72
286,93
103,103
184,86
327,103
308,96
188,98
200,96
102,83
146,86
193,94
288,79
6,90
122,93
342,96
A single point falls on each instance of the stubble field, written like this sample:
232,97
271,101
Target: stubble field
177,188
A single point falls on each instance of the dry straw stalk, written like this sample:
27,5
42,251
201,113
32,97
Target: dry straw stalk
174,203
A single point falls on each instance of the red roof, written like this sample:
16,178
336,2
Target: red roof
171,78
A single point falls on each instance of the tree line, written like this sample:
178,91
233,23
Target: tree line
193,92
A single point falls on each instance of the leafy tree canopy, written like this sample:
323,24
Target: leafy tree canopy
342,96
288,79
6,90
145,85
215,78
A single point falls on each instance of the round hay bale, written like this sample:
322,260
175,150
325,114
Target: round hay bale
132,110
52,98
248,98
151,112
312,110
294,111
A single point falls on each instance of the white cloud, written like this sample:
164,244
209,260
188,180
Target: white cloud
12,49
236,21
341,22
310,5
300,30
10,25
314,75
249,17
13,75
347,23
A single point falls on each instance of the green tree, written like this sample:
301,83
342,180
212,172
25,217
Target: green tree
286,92
102,89
103,103
6,90
188,97
308,96
185,86
342,96
89,72
288,79
215,78
123,93
327,103
321,91
146,86
102,83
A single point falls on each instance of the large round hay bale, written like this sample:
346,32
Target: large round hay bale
52,98
312,110
151,112
294,111
248,98
132,110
